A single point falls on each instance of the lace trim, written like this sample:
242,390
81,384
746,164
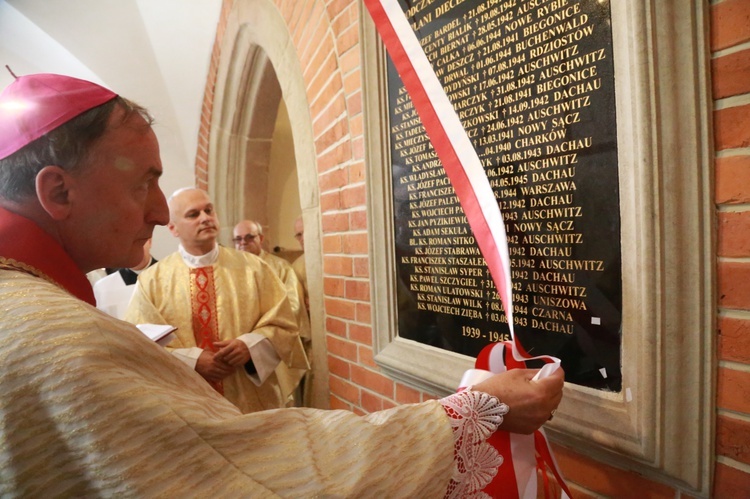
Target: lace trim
474,416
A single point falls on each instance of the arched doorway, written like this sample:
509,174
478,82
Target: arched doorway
257,69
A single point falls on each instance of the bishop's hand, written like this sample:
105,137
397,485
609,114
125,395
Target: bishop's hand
531,401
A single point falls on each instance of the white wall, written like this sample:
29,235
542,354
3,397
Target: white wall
155,52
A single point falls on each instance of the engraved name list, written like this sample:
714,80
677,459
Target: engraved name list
532,81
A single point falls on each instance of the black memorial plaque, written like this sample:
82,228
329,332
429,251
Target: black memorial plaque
533,84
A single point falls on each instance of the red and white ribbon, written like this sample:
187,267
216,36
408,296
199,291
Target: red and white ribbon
469,179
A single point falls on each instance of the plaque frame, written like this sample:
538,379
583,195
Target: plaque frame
663,108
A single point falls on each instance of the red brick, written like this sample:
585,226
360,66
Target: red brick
363,312
580,493
319,70
734,234
343,19
339,308
338,265
336,326
734,339
732,127
352,79
733,390
388,404
406,395
358,290
334,133
354,103
371,402
332,180
733,438
315,39
334,157
733,282
372,381
365,356
354,196
348,39
358,220
344,389
360,334
327,115
607,480
358,411
731,74
356,127
355,244
343,348
733,180
555,490
357,170
730,482
332,243
730,23
339,367
338,404
362,267
334,286
335,7
335,222
324,105
358,148
330,202
303,24
318,64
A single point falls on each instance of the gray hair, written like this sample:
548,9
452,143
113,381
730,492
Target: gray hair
67,146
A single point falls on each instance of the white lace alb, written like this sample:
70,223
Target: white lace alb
474,417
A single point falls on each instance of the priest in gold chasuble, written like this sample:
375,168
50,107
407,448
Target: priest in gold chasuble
235,324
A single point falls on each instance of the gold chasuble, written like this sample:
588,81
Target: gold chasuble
234,297
91,407
294,289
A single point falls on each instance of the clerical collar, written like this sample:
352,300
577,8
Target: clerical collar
25,247
195,262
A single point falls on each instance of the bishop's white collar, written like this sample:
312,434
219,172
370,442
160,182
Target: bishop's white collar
199,261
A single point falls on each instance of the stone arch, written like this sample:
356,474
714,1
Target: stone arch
258,65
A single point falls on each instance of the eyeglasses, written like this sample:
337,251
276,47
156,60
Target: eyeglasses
247,238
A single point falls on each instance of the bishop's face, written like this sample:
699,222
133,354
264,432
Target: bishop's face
115,199
193,220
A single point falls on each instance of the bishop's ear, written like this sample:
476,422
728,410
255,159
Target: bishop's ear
52,190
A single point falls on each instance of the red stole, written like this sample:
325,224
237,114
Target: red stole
205,317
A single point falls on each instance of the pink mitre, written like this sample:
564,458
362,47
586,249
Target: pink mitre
37,104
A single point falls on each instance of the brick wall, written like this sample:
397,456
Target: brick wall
325,34
730,67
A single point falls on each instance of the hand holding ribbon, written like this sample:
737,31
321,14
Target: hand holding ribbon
531,400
